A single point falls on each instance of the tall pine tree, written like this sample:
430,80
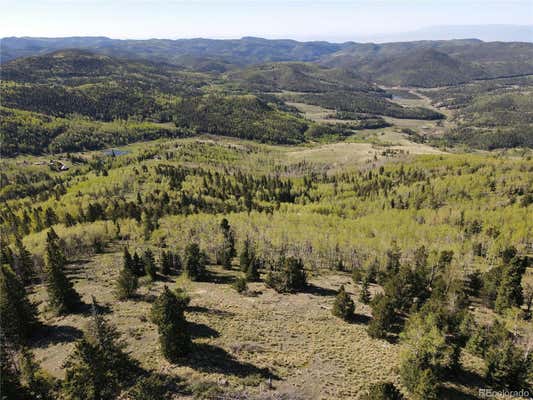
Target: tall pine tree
98,368
19,316
510,288
149,264
227,252
168,315
23,262
61,294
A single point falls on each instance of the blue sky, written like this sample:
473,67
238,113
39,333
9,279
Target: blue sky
334,20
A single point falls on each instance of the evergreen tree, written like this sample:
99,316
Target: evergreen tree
39,384
127,284
11,387
424,356
128,262
61,294
69,220
6,254
98,368
406,288
195,262
23,262
227,252
248,201
339,265
38,223
343,307
240,285
421,257
394,254
509,292
383,316
19,316
25,225
252,272
166,262
383,391
445,258
138,265
168,314
246,255
50,217
148,225
507,366
364,296
356,275
288,275
149,264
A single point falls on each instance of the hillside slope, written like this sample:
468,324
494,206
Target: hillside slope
437,63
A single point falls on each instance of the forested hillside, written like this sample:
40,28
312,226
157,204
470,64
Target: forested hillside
226,269
490,114
72,100
265,220
435,63
421,63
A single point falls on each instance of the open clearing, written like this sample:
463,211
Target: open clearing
240,341
346,154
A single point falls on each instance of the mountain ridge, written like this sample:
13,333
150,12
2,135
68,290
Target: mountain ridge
438,63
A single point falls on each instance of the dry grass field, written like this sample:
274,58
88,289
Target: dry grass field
241,341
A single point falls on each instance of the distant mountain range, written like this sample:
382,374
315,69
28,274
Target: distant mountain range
420,63
488,33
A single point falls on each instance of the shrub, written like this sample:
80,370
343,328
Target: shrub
240,285
127,284
343,307
151,387
383,316
195,261
364,296
288,276
383,391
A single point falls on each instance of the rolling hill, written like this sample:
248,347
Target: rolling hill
299,77
436,63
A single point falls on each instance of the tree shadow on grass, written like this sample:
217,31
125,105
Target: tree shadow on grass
76,269
318,290
55,334
360,319
453,393
215,277
468,379
87,309
213,359
79,262
199,330
210,311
